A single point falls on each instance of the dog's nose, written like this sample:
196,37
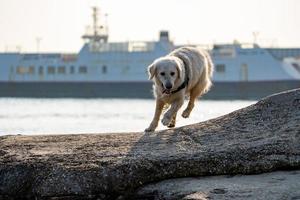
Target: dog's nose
168,86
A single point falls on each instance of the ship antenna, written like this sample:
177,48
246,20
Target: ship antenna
95,20
255,36
96,33
38,42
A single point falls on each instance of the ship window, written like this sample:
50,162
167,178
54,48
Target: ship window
220,68
61,70
72,70
104,69
244,72
41,70
31,70
51,70
82,69
22,70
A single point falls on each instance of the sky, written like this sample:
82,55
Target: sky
59,24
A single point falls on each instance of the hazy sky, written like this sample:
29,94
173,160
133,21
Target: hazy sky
61,23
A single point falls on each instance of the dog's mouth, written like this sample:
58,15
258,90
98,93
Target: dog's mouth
166,91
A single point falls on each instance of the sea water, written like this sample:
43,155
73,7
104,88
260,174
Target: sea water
29,116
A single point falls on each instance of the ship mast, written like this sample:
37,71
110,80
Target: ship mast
96,33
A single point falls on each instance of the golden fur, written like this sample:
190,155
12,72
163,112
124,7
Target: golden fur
169,73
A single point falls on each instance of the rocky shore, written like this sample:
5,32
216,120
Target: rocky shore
274,185
261,138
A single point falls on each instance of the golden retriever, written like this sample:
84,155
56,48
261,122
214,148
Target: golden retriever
186,71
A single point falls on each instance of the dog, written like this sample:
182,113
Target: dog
186,71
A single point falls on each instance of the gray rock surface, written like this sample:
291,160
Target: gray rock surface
260,138
275,185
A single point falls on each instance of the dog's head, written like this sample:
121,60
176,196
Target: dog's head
167,72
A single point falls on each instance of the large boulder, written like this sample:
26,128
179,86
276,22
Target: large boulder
260,138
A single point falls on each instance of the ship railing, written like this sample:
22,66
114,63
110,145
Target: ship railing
207,47
281,53
140,46
122,47
224,53
237,45
69,57
36,56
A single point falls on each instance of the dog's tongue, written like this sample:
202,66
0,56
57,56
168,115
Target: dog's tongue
166,91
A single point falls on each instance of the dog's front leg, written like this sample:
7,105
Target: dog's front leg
173,121
158,109
172,112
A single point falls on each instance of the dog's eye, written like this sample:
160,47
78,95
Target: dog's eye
162,73
172,73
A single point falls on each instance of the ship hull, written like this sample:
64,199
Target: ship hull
220,90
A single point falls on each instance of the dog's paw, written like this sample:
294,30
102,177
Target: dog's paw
185,113
149,129
166,121
171,125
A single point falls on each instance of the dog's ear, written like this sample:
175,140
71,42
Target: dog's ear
151,70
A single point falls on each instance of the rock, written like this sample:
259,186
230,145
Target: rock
260,138
274,185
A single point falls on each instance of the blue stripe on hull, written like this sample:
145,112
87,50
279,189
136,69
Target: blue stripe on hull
220,90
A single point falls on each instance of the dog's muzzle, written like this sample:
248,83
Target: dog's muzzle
167,88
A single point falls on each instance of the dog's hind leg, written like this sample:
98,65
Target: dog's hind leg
186,113
158,110
194,94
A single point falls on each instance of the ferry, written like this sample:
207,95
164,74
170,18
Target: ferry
107,69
